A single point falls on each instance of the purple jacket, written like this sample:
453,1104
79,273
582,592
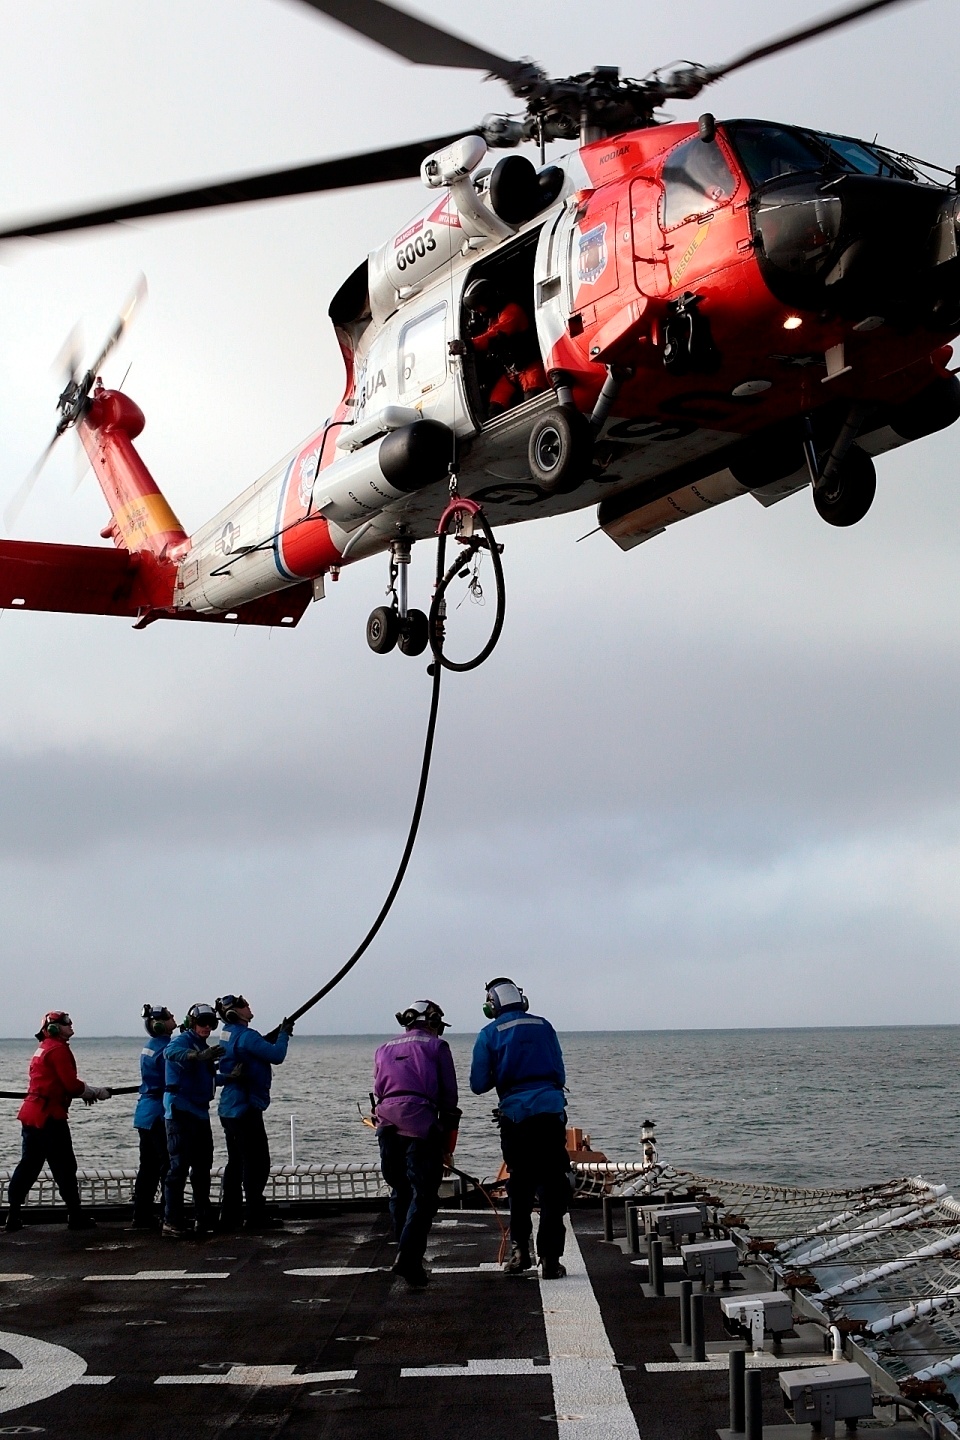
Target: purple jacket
415,1084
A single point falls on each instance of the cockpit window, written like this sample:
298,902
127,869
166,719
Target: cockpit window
769,152
696,180
855,155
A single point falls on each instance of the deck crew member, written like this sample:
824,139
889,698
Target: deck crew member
520,1055
246,1072
415,1104
52,1084
189,1086
502,331
148,1121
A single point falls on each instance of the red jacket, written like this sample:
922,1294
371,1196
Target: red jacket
51,1085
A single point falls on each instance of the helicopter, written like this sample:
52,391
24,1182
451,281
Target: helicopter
708,309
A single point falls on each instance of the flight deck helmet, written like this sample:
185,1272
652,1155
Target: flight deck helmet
156,1020
423,1012
228,1005
481,295
52,1024
503,994
200,1014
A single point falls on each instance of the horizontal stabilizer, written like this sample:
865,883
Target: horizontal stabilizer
99,580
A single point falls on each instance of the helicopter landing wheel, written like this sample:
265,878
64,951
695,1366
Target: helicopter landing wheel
414,633
559,451
847,497
383,629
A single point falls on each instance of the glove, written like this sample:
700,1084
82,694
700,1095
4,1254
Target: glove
211,1054
286,1027
93,1093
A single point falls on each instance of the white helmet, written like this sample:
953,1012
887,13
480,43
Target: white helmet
502,993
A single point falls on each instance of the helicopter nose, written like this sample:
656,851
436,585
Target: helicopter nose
861,245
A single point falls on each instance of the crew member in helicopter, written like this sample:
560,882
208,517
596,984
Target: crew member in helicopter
520,1055
51,1085
415,1109
501,331
148,1121
245,1075
189,1086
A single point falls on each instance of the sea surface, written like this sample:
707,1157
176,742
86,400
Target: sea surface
804,1107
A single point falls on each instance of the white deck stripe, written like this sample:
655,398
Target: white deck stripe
476,1367
165,1275
585,1383
324,1272
258,1375
754,1362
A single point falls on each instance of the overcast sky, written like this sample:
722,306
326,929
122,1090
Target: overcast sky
714,781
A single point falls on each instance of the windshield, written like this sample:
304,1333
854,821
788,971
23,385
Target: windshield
769,152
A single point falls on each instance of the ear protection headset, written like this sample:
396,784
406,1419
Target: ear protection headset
228,1005
498,999
427,1011
155,1018
200,1014
52,1023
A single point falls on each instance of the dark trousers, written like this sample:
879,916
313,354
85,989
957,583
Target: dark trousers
154,1164
50,1142
535,1153
413,1168
190,1146
248,1166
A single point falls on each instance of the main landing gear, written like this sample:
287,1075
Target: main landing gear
394,624
844,486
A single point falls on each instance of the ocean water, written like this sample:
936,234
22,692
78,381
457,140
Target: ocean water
804,1107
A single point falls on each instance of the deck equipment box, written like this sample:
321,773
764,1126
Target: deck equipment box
825,1394
678,1221
710,1258
758,1315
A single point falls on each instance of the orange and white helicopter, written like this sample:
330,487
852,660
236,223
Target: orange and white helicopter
670,316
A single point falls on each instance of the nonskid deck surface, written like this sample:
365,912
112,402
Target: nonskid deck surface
306,1333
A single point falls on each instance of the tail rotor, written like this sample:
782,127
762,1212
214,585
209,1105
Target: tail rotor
75,395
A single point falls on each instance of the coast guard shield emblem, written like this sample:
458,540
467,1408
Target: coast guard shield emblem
592,259
308,474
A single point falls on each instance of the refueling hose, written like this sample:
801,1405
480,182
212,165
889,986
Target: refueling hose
467,515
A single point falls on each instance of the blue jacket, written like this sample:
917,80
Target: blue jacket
152,1078
520,1055
188,1084
247,1048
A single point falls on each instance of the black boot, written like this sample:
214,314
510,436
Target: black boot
519,1260
79,1220
13,1220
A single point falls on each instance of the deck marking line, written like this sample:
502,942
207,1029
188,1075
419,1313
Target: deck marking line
754,1362
476,1367
258,1375
585,1382
94,1379
322,1272
46,1369
165,1275
11,1279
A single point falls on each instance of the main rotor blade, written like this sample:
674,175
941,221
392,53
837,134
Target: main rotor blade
414,39
799,37
371,168
13,508
137,294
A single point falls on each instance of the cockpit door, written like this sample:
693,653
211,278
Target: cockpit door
700,224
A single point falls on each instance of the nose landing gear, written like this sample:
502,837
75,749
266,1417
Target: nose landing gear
394,624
